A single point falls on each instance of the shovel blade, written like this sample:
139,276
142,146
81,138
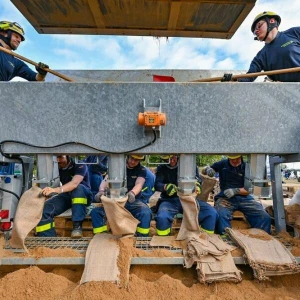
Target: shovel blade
162,78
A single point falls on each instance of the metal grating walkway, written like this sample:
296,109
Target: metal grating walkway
143,243
79,245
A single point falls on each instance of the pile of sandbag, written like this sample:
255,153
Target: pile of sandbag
213,258
266,255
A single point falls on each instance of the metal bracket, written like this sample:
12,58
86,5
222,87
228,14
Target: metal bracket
152,109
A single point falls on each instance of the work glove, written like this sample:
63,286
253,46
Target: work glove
227,77
40,70
131,196
197,187
171,189
98,196
210,172
231,192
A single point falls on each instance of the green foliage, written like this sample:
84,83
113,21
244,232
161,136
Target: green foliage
201,160
207,160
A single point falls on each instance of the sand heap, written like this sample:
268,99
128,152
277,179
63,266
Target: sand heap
145,282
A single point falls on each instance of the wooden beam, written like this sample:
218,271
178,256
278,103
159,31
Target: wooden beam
174,14
210,1
96,12
23,9
136,32
242,16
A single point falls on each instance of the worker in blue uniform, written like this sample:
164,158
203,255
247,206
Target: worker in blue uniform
11,35
97,167
136,204
233,196
281,49
74,193
169,204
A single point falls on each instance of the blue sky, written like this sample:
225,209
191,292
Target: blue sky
84,52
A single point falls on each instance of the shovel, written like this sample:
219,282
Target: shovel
35,64
162,78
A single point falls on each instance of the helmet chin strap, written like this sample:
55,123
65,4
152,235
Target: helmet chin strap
270,27
7,39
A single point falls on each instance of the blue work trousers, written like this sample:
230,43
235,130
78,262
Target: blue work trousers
99,221
252,210
143,213
78,200
95,181
138,209
207,216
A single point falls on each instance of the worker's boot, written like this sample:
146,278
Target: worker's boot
77,230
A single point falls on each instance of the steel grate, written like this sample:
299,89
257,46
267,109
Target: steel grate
143,243
80,244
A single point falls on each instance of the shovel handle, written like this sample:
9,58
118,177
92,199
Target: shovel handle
35,64
281,71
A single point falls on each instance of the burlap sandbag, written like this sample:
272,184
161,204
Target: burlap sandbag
266,255
28,215
119,218
211,269
189,227
207,186
101,259
203,245
213,258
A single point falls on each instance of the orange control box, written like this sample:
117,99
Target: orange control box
151,119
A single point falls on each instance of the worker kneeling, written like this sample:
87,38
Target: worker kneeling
74,193
136,203
169,204
233,196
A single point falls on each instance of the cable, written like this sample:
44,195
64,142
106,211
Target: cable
7,191
72,143
10,156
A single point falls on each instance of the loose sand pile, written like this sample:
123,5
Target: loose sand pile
146,282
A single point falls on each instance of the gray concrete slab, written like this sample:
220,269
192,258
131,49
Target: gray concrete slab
204,118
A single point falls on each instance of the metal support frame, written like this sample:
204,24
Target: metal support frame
255,176
258,168
117,176
186,105
278,204
29,261
47,171
187,173
276,179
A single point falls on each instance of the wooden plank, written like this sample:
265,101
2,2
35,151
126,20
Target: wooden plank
174,15
96,12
